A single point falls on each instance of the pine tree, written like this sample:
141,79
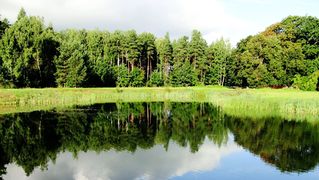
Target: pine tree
27,54
72,61
180,50
165,52
148,54
133,50
218,55
21,14
197,54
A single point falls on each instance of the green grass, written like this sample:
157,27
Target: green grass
256,103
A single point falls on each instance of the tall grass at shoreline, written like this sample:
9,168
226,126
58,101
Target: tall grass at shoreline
286,103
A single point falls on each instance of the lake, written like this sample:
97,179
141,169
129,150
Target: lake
160,140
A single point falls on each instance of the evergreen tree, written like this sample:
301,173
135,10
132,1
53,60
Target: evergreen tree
100,59
197,54
155,79
165,52
218,55
28,49
133,50
72,61
148,54
115,56
4,24
21,14
180,50
183,74
34,55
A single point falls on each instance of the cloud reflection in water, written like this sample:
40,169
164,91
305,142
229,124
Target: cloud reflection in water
154,163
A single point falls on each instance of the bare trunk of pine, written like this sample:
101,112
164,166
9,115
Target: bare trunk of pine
38,64
118,60
148,68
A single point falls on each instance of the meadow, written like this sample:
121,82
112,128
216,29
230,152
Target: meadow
290,104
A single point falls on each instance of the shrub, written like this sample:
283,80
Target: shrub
155,79
307,83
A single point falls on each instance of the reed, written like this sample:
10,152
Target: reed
290,104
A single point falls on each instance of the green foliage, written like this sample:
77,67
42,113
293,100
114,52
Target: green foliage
260,64
198,54
218,56
21,14
28,49
183,74
123,77
135,78
148,53
71,63
156,79
165,52
180,50
307,83
277,55
99,68
4,24
34,55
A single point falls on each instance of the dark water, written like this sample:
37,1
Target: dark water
155,141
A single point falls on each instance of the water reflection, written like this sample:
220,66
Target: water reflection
289,145
154,163
147,140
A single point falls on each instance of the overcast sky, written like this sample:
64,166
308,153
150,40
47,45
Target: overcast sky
231,19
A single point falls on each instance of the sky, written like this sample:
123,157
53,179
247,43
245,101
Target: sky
230,19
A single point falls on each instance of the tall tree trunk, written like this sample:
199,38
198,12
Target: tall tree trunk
148,68
201,75
39,68
223,79
118,60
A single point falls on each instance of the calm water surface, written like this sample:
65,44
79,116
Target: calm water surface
154,141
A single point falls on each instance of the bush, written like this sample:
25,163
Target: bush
306,83
155,79
135,78
122,76
183,74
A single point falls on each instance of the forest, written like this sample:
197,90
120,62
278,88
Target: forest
33,54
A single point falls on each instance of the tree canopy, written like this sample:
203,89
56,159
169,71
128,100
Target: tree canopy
33,54
276,56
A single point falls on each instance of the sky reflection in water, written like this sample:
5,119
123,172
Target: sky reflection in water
155,141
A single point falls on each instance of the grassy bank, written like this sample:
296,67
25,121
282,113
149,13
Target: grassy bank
15,100
288,103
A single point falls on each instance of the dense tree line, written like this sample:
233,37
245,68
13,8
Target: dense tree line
35,55
285,54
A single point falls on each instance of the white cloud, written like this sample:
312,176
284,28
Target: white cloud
153,163
177,17
230,19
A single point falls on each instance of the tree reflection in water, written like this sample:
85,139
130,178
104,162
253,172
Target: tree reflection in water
32,139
